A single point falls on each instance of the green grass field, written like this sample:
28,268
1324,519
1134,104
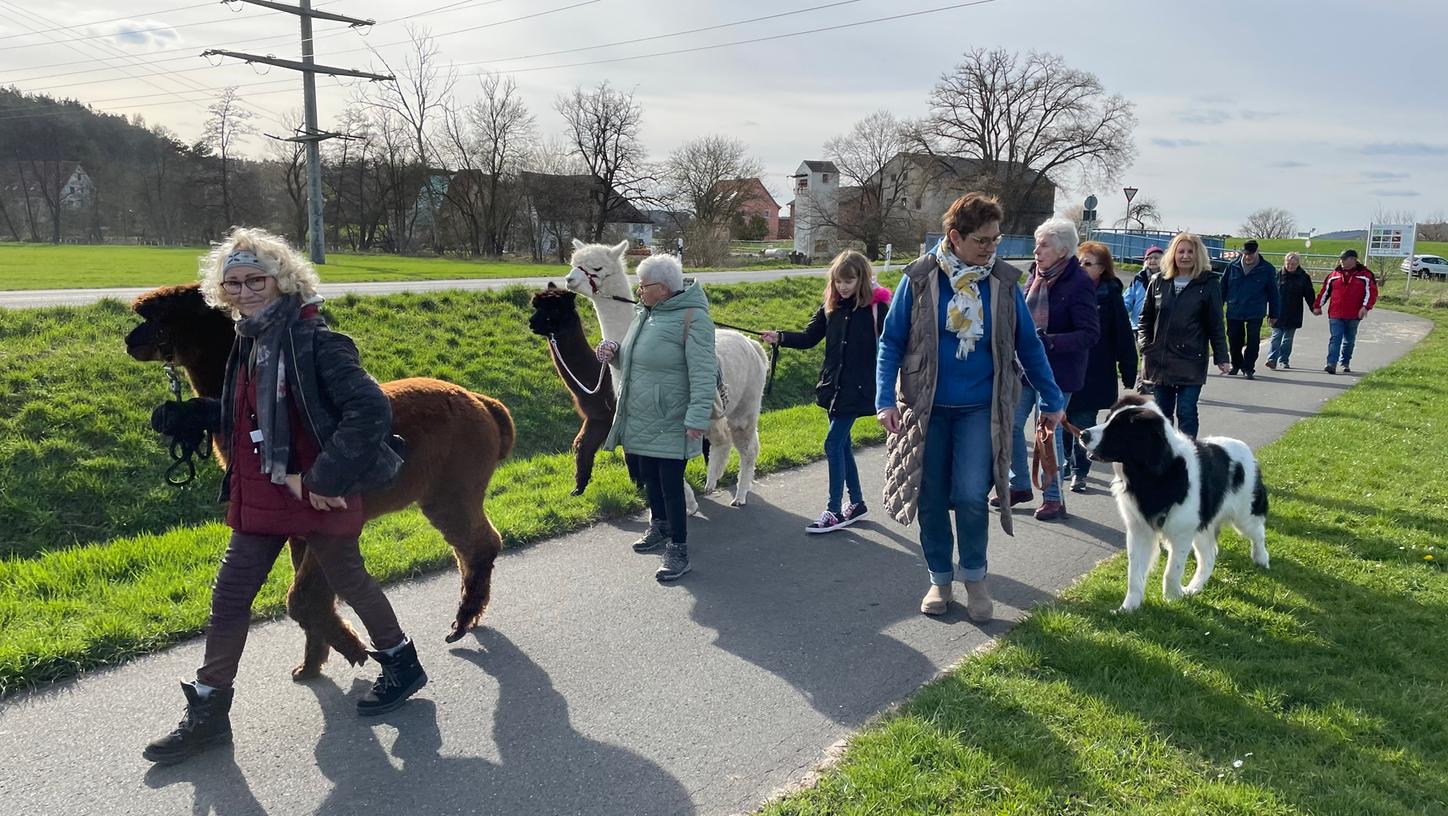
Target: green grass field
79,464
1320,687
102,560
1274,249
84,266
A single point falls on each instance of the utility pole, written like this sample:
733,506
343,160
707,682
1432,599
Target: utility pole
309,133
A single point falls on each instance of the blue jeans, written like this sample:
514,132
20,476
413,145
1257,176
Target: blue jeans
956,476
1180,401
840,453
1075,453
1020,468
1344,337
1281,349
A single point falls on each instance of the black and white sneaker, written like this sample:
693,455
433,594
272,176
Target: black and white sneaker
856,511
676,563
827,523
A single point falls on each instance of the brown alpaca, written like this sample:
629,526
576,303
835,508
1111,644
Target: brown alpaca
455,439
555,316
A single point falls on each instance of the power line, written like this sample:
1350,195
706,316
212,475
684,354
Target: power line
4,117
190,51
749,41
119,56
662,36
108,20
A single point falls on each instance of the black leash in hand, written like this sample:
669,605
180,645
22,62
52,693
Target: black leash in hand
183,450
773,347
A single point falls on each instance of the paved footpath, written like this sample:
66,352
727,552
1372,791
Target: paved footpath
592,689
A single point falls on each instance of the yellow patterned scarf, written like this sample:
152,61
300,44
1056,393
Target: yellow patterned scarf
965,315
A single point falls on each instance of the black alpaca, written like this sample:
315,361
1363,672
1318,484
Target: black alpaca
555,316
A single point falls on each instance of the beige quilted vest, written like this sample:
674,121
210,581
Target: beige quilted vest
915,390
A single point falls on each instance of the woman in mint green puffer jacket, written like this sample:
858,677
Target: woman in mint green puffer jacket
668,376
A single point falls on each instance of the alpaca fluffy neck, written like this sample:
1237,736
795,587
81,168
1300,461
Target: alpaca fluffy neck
614,316
207,371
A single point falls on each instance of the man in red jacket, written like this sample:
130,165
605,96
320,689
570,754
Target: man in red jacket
1350,292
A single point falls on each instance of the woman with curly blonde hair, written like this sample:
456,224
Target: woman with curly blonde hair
304,431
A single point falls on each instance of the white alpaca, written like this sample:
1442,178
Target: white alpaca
600,273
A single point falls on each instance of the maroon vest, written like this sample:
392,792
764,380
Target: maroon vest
259,507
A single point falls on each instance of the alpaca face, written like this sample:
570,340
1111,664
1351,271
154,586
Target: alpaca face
555,312
598,269
177,326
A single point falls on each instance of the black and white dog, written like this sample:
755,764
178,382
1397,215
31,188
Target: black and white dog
1178,491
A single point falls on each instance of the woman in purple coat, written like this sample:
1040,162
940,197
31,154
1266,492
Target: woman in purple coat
1062,301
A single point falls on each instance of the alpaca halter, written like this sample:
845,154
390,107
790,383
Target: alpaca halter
592,279
558,358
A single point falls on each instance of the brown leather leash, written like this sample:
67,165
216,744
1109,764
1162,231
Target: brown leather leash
1044,465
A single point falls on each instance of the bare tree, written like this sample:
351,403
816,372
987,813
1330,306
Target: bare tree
1269,222
504,130
1033,120
291,157
603,125
1143,212
416,98
867,156
703,177
552,205
1434,227
228,125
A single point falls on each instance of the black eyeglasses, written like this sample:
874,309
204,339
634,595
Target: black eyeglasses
255,283
643,286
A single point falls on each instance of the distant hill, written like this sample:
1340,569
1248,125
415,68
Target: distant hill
1342,235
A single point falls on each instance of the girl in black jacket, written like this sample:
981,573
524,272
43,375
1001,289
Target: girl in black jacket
849,321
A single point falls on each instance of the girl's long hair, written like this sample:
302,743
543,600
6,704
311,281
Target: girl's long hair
851,265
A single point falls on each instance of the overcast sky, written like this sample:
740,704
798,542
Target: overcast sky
1330,109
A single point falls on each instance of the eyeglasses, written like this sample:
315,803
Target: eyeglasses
986,241
255,283
643,286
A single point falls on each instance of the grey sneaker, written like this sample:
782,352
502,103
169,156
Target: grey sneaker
1078,483
676,563
656,537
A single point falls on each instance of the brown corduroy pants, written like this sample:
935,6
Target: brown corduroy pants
244,569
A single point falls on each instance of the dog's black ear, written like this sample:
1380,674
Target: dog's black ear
1149,448
552,285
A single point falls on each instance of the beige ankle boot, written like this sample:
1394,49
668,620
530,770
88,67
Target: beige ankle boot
935,600
978,605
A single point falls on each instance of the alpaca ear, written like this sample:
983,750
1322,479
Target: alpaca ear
552,286
619,250
577,244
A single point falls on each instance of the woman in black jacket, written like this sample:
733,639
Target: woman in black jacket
1297,292
849,321
1114,351
305,431
1180,321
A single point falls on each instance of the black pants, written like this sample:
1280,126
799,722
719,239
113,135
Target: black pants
663,481
1244,337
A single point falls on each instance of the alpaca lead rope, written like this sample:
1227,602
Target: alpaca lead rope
182,451
558,356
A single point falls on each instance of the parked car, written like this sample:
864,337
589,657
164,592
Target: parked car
1426,266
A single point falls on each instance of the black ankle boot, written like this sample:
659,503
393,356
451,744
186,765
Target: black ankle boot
401,677
207,722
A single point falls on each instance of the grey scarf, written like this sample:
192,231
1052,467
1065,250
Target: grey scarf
268,331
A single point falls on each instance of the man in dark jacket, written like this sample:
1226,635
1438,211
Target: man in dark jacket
1249,288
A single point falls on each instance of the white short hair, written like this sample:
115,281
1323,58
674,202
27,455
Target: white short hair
663,269
1060,233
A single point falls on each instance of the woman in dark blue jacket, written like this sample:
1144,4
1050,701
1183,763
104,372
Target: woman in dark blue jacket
1114,352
